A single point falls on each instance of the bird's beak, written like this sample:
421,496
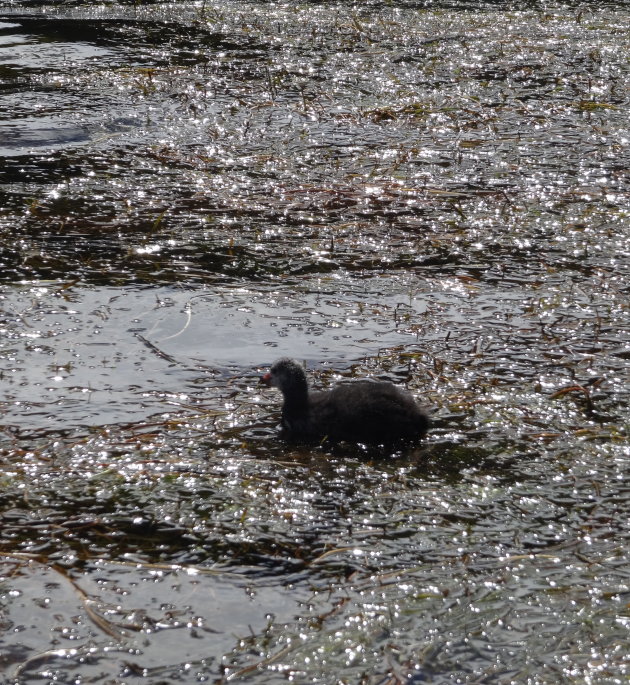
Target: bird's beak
265,380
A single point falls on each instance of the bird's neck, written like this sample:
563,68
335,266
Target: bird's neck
296,399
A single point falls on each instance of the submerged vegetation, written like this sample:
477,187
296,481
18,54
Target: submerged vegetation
433,193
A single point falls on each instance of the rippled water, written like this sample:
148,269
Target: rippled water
437,195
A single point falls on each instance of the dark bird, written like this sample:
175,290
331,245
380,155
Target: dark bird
365,410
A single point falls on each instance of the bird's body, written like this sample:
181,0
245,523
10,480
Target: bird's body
364,410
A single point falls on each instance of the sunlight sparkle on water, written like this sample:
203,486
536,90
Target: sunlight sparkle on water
148,249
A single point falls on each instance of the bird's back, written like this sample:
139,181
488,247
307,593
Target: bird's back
366,411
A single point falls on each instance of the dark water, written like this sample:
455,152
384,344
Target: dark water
436,193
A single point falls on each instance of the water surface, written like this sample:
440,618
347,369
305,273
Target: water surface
436,195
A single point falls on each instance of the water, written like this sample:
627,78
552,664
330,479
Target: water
434,195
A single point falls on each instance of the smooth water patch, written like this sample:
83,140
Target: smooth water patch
21,50
49,114
77,356
192,615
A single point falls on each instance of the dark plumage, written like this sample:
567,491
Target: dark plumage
360,410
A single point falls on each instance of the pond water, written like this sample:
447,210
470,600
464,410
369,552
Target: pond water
436,194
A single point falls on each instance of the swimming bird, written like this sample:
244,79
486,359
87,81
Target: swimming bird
365,410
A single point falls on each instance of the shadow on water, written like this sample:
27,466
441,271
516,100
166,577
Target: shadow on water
432,194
